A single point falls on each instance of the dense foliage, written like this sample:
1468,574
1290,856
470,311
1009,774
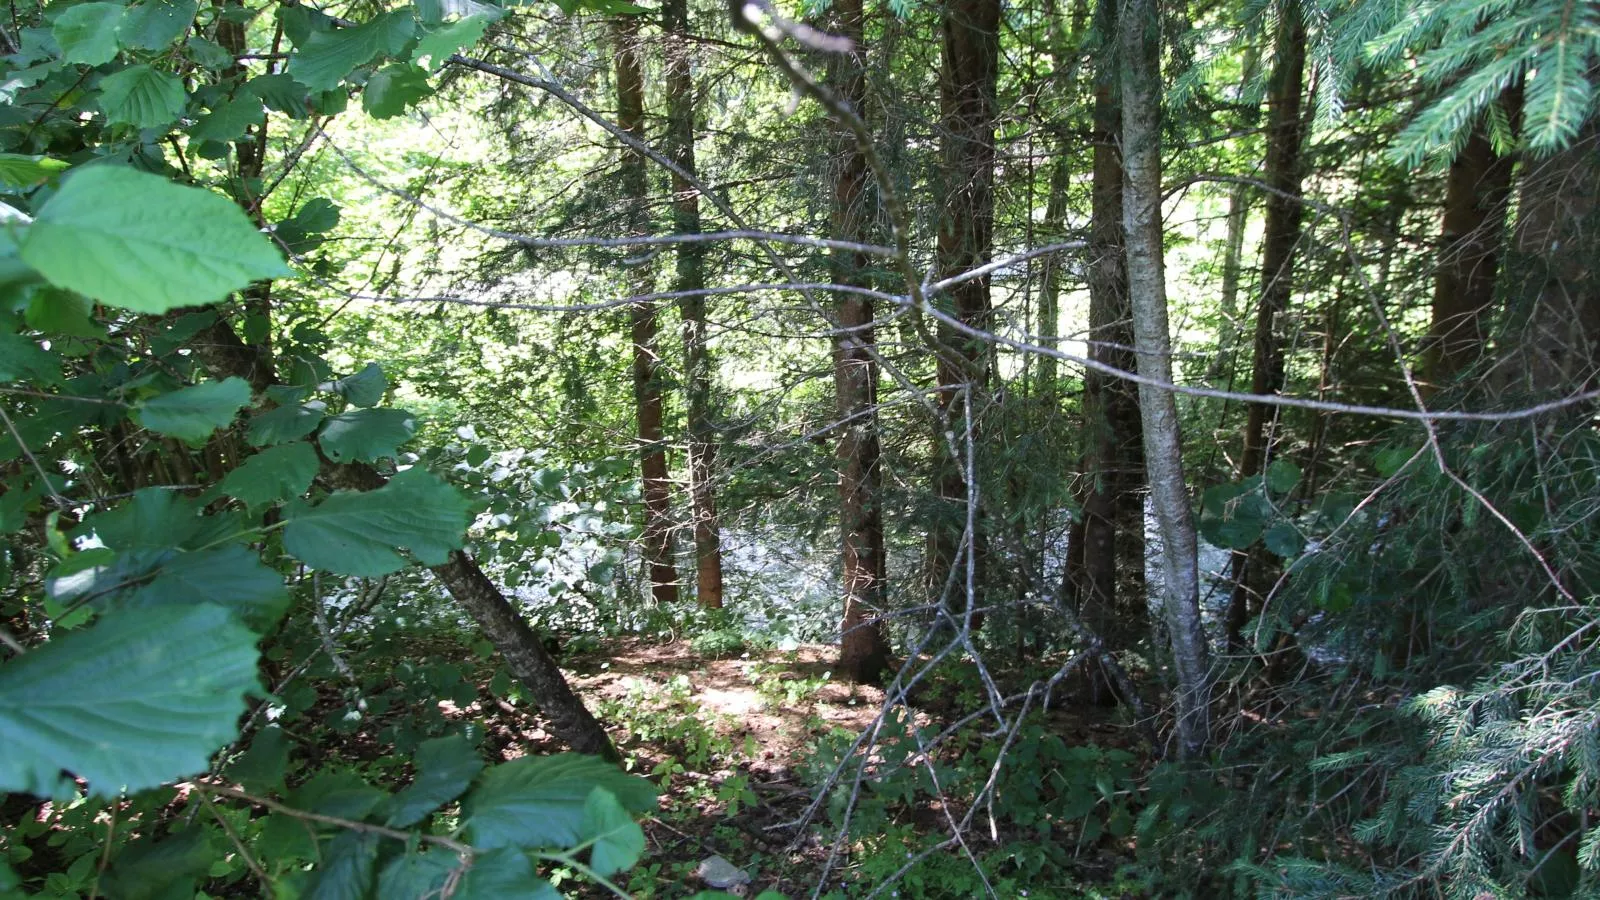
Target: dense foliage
945,449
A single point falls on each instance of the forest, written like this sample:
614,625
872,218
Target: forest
497,449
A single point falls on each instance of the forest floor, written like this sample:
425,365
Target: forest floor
736,746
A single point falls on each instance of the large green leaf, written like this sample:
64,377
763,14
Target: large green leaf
141,698
286,423
437,45
142,97
140,242
154,24
539,801
504,874
228,120
328,56
343,795
358,533
22,359
231,576
364,388
366,434
273,475
155,868
445,767
192,413
87,33
618,839
393,88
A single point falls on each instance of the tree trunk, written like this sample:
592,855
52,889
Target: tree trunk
223,354
1232,264
1055,221
657,535
1476,208
863,650
1139,27
1557,349
1252,568
1113,514
971,30
691,276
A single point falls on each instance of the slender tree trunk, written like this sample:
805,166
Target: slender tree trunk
1252,568
647,400
1113,526
1476,209
691,276
1055,221
223,354
1139,27
1232,264
863,650
967,85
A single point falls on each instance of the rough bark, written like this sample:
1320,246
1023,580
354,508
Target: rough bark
1476,209
1163,450
863,649
967,103
691,276
223,354
1112,508
656,539
1252,568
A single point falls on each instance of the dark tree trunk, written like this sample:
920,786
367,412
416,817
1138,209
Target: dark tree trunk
1476,208
863,650
657,534
1252,568
971,30
1139,27
1112,508
691,276
223,354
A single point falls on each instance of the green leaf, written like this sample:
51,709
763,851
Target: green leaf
155,24
231,576
504,874
141,698
618,840
393,88
343,795
140,242
228,120
23,172
87,33
261,768
1391,460
1282,476
280,93
154,519
8,879
437,45
142,97
347,868
149,868
358,533
366,434
1285,540
192,413
364,388
286,423
318,216
209,54
22,359
445,767
327,57
273,475
538,801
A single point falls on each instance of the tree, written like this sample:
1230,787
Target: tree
690,278
1138,28
967,110
863,649
656,539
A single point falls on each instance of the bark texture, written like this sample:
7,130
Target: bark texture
1252,568
1141,147
691,276
863,649
971,41
656,539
